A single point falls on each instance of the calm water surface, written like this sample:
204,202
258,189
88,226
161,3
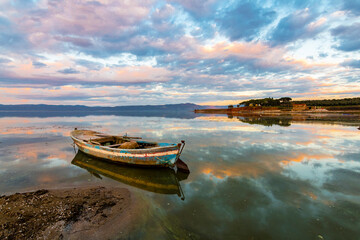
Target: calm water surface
247,181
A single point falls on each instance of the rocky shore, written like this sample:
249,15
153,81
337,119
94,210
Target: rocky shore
74,213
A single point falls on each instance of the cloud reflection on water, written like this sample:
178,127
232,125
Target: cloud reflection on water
246,181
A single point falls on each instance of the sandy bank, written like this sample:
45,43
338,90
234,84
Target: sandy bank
74,213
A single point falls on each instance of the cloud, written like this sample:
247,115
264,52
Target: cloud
68,71
24,3
38,64
348,36
297,4
352,5
227,59
80,42
61,26
4,60
82,18
89,64
198,9
301,24
180,50
351,63
55,74
10,37
245,20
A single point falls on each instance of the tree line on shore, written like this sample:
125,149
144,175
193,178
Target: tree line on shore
287,102
330,102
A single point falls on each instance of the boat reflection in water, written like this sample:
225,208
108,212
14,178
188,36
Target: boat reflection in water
158,180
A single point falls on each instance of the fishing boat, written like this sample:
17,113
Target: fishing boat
157,180
129,150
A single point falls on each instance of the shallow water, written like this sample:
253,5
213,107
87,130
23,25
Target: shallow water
298,180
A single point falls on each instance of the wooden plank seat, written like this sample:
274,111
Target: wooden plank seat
94,142
114,145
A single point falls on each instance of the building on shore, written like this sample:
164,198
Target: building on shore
299,107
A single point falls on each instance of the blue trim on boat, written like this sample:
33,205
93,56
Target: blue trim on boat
166,144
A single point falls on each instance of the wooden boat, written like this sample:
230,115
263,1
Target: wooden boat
129,150
158,180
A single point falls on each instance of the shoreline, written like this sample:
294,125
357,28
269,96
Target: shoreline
94,212
234,112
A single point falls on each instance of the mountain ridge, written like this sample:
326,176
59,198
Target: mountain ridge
48,107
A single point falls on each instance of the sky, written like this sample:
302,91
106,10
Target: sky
209,52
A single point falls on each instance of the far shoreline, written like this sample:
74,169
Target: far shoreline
278,111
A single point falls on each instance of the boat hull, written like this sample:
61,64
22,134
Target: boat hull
157,156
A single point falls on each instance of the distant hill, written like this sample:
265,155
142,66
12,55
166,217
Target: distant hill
183,110
44,107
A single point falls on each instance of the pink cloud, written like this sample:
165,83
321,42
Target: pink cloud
199,7
245,50
78,20
260,54
81,42
83,18
143,74
24,69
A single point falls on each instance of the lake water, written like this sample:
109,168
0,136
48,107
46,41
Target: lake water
248,180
